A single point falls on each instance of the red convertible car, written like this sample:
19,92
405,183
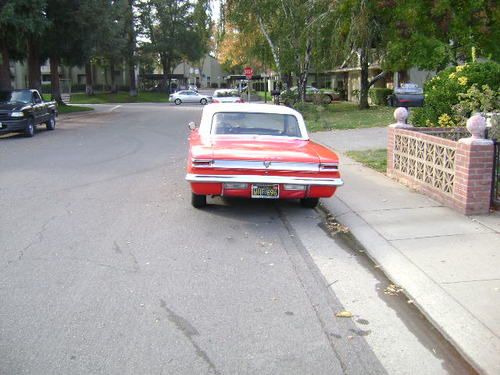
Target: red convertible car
258,151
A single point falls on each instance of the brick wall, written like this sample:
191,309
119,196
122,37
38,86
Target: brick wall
464,184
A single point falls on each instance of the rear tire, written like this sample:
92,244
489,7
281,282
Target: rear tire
198,201
327,99
177,101
309,202
29,130
203,101
51,123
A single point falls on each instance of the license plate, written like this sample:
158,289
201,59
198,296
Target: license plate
265,191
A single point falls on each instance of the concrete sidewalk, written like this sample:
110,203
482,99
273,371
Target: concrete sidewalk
448,264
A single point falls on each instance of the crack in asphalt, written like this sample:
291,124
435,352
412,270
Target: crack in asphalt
135,263
39,238
188,330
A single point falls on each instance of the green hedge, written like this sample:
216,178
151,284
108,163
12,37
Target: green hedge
441,92
379,95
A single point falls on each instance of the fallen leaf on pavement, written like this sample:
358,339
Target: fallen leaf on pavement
344,314
393,290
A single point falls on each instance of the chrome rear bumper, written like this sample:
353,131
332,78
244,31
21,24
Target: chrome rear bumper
257,179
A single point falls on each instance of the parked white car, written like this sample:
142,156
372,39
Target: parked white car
226,96
188,96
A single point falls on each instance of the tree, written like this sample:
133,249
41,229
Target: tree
102,35
434,34
358,29
60,40
202,19
131,46
288,29
22,23
169,28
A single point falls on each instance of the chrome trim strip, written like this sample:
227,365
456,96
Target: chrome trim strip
257,179
271,165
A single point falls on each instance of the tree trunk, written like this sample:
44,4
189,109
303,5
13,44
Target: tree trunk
165,83
34,74
131,49
89,84
4,67
114,89
303,75
273,48
54,79
131,77
287,80
364,84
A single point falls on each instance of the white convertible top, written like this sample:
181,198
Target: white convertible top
210,109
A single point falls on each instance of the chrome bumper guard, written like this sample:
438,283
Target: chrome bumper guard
257,179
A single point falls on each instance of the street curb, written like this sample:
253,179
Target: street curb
475,342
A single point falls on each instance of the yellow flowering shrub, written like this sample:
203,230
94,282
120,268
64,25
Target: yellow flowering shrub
444,91
445,120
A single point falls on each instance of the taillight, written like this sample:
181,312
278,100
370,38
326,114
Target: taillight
202,163
240,101
326,167
215,101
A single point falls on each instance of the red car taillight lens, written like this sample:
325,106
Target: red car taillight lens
215,101
202,163
326,167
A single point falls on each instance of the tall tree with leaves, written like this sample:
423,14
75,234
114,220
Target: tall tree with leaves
358,30
61,39
101,26
130,29
202,20
169,28
22,23
431,34
289,29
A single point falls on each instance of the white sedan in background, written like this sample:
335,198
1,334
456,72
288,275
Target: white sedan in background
189,96
226,96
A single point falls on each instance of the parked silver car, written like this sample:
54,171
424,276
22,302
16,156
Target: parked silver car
189,96
226,96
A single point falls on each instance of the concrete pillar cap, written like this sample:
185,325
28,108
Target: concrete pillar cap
400,115
476,125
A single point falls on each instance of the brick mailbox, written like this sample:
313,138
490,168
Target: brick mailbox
443,163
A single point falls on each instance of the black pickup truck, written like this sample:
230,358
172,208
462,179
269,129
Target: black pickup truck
23,110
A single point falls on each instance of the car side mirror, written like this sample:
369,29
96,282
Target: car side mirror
192,126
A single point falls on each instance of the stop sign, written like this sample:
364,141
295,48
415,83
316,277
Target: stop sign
248,72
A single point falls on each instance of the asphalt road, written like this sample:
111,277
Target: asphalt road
105,268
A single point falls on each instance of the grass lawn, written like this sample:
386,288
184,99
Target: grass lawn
261,95
119,97
72,108
375,159
67,108
343,115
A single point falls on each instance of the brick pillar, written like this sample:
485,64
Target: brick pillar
390,150
473,170
400,115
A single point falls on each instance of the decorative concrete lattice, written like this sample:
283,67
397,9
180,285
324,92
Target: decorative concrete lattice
430,163
453,134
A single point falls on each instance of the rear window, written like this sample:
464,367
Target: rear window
226,94
238,123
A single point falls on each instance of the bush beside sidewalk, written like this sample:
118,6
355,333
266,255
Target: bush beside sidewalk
448,264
